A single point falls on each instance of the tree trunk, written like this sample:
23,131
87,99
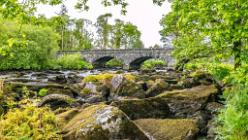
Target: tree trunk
237,53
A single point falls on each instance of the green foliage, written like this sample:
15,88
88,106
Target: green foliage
31,47
42,92
114,63
203,29
125,35
220,71
29,122
73,61
152,64
233,119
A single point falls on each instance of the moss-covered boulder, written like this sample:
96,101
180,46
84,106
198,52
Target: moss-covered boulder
101,122
56,100
158,87
169,129
186,102
144,108
129,88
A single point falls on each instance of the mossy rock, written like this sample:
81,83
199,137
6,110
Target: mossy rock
158,87
101,122
56,100
169,129
202,92
129,89
144,108
186,102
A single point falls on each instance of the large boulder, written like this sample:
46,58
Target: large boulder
144,108
129,89
185,103
158,87
169,129
101,122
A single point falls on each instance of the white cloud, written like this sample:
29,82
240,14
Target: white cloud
142,13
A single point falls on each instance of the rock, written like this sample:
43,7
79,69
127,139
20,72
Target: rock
94,99
189,83
91,86
184,103
158,87
213,108
212,130
169,129
101,122
58,79
116,81
56,100
201,118
203,77
52,88
129,89
144,108
65,117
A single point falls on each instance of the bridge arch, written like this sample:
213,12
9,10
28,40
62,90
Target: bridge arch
101,61
136,63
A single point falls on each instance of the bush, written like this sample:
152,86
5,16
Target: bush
73,61
29,47
114,63
29,123
233,119
152,64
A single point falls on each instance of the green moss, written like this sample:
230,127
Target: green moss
99,77
85,91
106,76
87,119
169,129
42,92
29,122
199,92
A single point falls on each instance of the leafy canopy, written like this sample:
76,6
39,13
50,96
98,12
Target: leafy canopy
208,28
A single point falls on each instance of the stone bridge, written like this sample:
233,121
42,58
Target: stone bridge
132,58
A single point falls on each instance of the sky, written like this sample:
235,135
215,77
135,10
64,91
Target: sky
142,13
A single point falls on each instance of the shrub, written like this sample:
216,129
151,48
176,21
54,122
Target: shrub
73,61
114,63
29,123
233,119
152,64
29,47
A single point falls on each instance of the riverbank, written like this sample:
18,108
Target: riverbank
162,104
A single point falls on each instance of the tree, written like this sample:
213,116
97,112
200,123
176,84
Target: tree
125,35
103,30
63,19
82,35
203,28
